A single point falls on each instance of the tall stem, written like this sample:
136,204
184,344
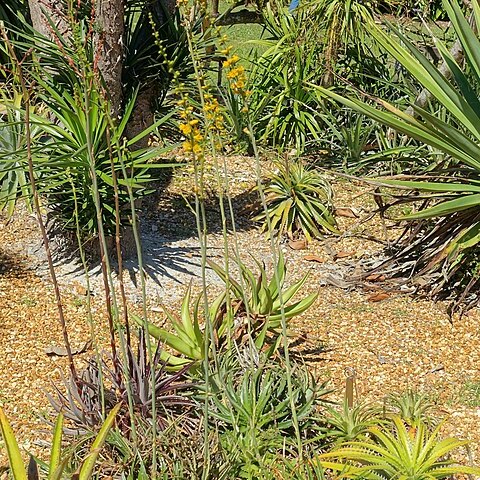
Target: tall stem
36,203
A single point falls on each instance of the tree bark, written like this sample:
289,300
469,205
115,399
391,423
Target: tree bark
43,11
109,48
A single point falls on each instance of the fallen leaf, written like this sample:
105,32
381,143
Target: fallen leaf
313,258
375,277
343,255
60,351
297,244
346,212
378,297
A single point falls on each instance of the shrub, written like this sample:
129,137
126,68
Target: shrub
443,246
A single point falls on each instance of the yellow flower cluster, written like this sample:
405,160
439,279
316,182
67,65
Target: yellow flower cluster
236,74
190,128
213,113
193,137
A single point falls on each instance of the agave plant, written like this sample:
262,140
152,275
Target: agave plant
409,453
57,464
258,304
444,249
299,199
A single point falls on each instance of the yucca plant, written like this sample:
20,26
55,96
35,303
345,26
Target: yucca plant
57,465
343,24
13,161
258,304
444,246
283,111
299,199
410,453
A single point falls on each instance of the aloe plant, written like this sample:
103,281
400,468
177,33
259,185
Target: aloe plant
258,304
188,338
407,453
299,199
57,464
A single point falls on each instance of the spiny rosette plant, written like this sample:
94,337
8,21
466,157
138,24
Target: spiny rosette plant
298,200
99,388
256,304
397,451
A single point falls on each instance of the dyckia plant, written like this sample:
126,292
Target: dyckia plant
99,388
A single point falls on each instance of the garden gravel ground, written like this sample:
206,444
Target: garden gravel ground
391,342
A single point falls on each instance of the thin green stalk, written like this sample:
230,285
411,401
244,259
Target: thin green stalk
26,94
125,344
110,297
89,301
201,224
274,249
135,229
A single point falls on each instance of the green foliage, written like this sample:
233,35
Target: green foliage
258,304
397,452
251,406
57,464
412,407
283,110
83,145
188,338
453,193
299,199
14,181
345,424
249,308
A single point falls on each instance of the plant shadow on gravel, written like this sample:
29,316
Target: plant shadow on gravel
10,265
168,234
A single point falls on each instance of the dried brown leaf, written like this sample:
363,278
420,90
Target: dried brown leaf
378,297
346,212
313,258
297,244
343,254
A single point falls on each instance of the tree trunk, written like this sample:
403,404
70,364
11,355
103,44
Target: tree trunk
42,12
109,47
